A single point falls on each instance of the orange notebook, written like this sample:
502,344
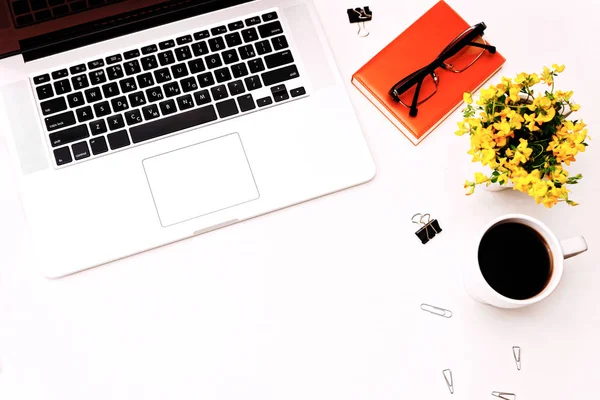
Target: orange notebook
415,48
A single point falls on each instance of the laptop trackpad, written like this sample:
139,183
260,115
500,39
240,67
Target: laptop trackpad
200,179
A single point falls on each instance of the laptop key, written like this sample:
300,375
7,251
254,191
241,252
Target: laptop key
236,87
41,79
133,117
84,114
253,21
53,106
131,54
189,84
150,112
213,61
80,151
265,101
247,52
149,63
97,127
110,90
227,108
62,87
76,69
62,156
216,44
154,94
137,99
246,103
298,92
166,58
118,140
168,107
201,35
128,85
145,80
149,49
206,80
263,47
183,53
200,49
202,97
119,104
44,92
171,89
166,44
230,56
162,75
132,67
253,82
219,92
115,122
114,72
59,121
93,94
256,65
179,71
280,93
196,66
173,123
280,75
98,145
97,77
279,43
186,102
250,35
75,99
219,30
95,64
223,75
61,73
239,70
270,29
70,135
184,40
269,16
80,82
114,59
102,109
235,25
279,59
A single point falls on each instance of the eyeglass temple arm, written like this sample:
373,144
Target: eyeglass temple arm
491,49
413,107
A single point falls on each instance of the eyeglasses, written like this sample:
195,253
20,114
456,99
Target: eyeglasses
458,56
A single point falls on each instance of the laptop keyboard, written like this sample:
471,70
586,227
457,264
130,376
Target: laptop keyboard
30,12
97,107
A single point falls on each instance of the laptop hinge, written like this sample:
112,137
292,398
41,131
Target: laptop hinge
108,28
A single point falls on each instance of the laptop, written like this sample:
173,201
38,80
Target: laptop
132,124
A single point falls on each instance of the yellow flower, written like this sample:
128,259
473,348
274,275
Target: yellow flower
467,98
514,94
547,76
480,178
546,115
575,107
558,68
470,186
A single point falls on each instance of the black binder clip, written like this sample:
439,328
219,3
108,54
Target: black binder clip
360,16
429,228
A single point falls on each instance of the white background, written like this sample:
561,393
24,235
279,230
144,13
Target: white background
321,300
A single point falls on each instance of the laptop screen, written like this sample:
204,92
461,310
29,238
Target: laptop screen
39,28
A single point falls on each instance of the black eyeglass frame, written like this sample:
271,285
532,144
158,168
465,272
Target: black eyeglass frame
416,78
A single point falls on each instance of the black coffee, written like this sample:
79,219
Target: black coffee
515,260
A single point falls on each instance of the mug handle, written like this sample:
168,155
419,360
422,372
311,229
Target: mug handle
573,246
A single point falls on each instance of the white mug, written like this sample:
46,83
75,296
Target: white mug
481,291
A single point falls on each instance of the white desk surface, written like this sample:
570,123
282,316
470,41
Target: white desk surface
321,301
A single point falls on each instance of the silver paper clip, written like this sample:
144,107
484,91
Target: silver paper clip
503,395
363,16
517,355
449,381
442,312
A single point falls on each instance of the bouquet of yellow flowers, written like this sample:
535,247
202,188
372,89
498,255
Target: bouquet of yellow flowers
524,136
